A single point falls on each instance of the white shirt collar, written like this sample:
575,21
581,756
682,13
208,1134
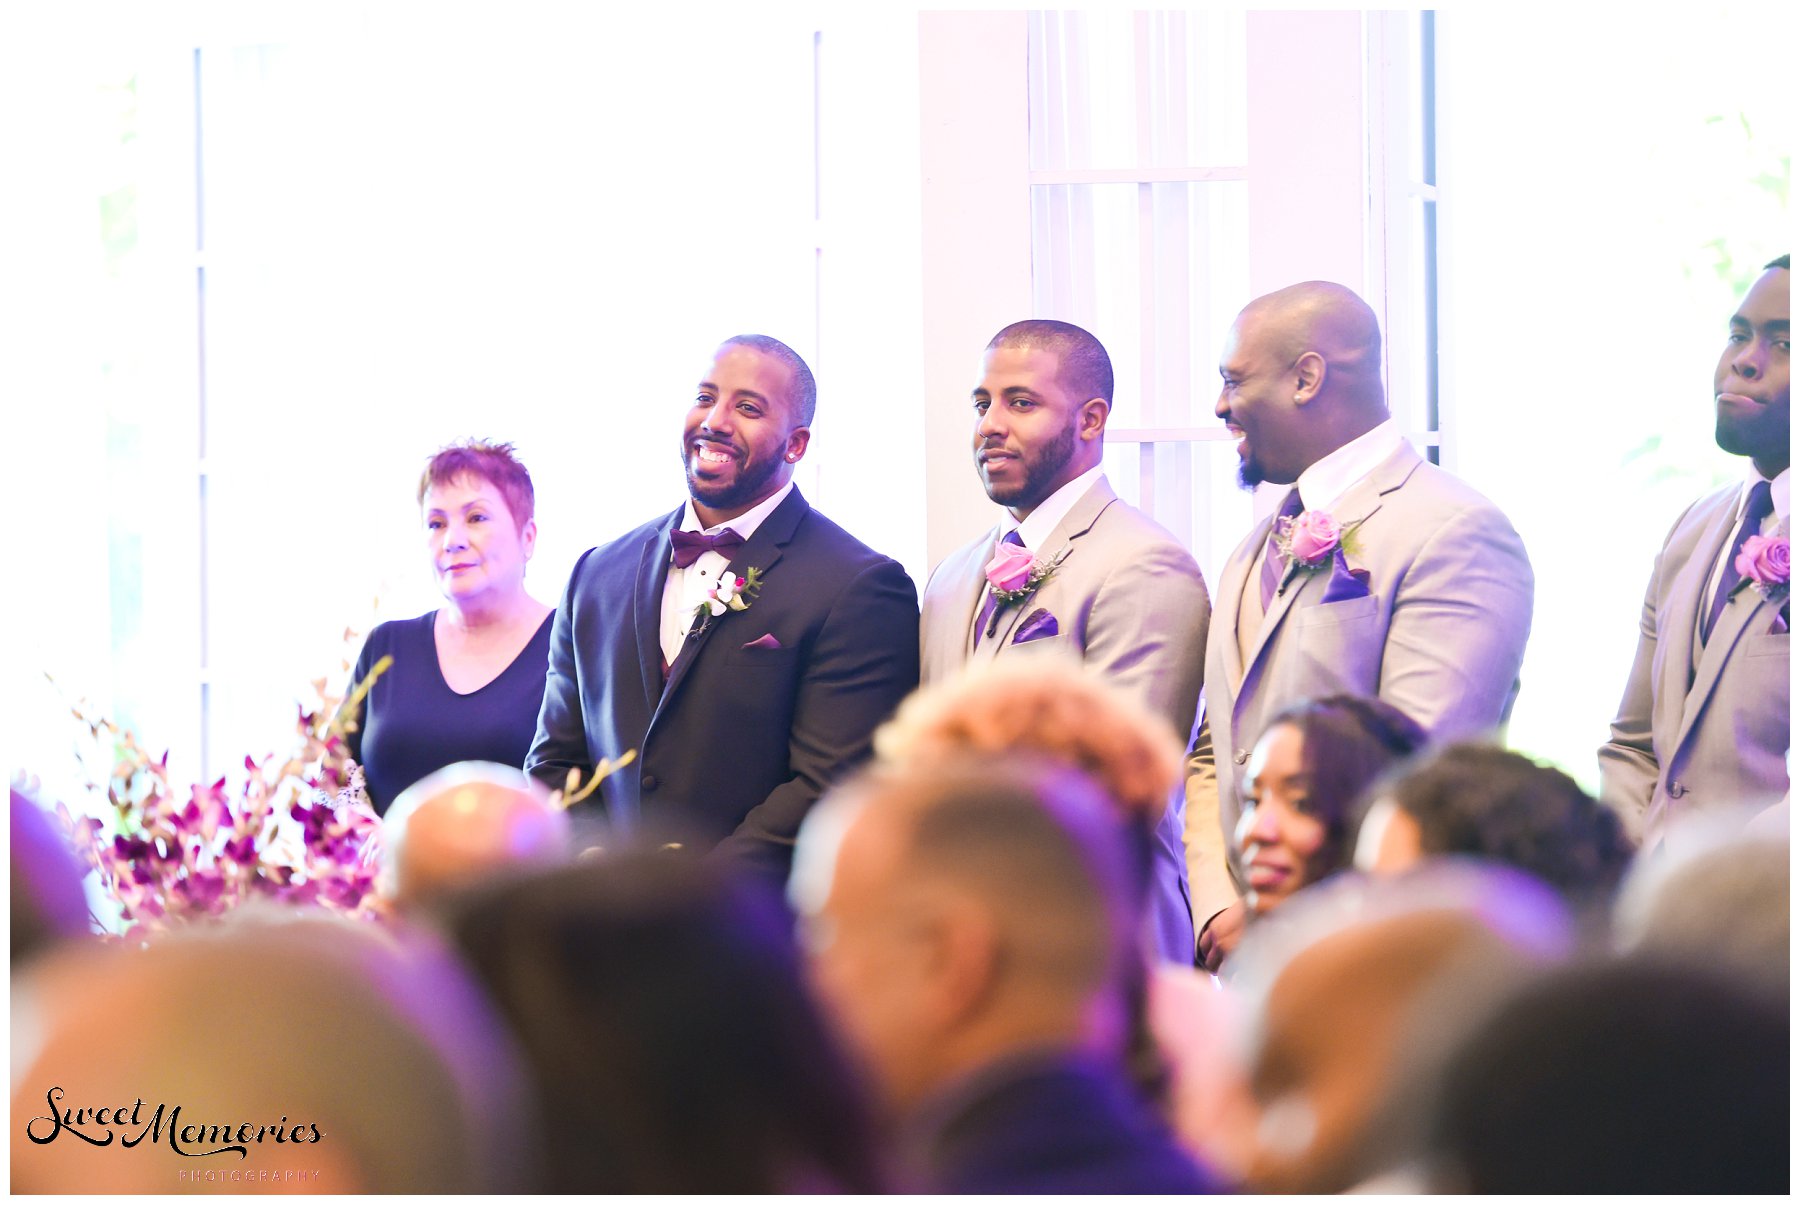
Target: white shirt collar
1327,478
745,524
1040,523
1778,493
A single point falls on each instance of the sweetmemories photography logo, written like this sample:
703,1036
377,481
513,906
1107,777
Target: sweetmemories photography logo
131,1128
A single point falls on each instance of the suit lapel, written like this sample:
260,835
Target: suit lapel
1746,608
1233,582
1358,504
1061,544
969,574
646,608
761,551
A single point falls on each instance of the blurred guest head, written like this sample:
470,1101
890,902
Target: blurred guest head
1058,711
1355,992
465,821
341,1059
961,914
1482,801
1303,780
477,504
662,1009
47,904
1631,1078
1713,895
971,929
1074,716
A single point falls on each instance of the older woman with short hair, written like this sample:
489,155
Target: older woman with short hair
467,679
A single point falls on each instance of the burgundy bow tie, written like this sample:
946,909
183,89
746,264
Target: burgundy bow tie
689,545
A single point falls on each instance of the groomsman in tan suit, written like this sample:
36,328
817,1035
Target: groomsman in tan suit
1400,581
1117,593
1704,720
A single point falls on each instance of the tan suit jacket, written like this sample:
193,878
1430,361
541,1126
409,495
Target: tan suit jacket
1128,601
1440,634
1700,725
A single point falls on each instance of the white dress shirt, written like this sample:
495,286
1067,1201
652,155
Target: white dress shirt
685,589
1329,477
1035,531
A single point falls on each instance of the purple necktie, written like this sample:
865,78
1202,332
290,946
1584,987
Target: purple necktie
987,595
691,545
1760,504
1273,562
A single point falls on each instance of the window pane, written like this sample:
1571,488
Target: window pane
1157,272
1127,90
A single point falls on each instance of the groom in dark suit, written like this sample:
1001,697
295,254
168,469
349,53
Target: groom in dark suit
745,645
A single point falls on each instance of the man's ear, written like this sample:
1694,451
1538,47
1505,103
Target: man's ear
528,537
963,962
797,440
1309,377
1091,418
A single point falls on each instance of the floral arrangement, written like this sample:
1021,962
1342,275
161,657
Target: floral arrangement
1763,562
171,856
732,593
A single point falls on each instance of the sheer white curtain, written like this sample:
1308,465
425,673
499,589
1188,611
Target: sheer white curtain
1140,233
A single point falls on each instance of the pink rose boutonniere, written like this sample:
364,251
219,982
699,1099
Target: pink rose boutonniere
1763,562
1013,575
1010,569
1310,540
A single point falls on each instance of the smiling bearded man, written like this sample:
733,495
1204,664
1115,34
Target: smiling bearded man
745,645
1392,579
1071,570
1704,720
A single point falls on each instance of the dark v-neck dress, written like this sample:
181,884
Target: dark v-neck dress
414,722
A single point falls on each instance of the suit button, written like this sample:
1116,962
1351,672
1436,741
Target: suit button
648,782
1240,757
1676,789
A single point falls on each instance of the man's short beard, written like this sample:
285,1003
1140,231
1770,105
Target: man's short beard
1250,473
741,492
1745,437
1032,491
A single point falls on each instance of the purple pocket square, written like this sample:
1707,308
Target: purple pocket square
1346,583
1039,624
765,641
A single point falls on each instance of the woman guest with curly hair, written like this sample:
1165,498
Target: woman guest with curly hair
468,678
1304,779
1479,801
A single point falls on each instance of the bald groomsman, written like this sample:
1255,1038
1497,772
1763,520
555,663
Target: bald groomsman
1704,720
1071,570
1389,577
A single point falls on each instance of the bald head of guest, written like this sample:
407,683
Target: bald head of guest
1301,377
960,914
465,822
338,1056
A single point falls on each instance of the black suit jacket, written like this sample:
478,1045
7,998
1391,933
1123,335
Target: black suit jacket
1047,1125
740,741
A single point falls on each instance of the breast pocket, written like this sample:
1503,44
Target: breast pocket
1348,611
762,659
1773,644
